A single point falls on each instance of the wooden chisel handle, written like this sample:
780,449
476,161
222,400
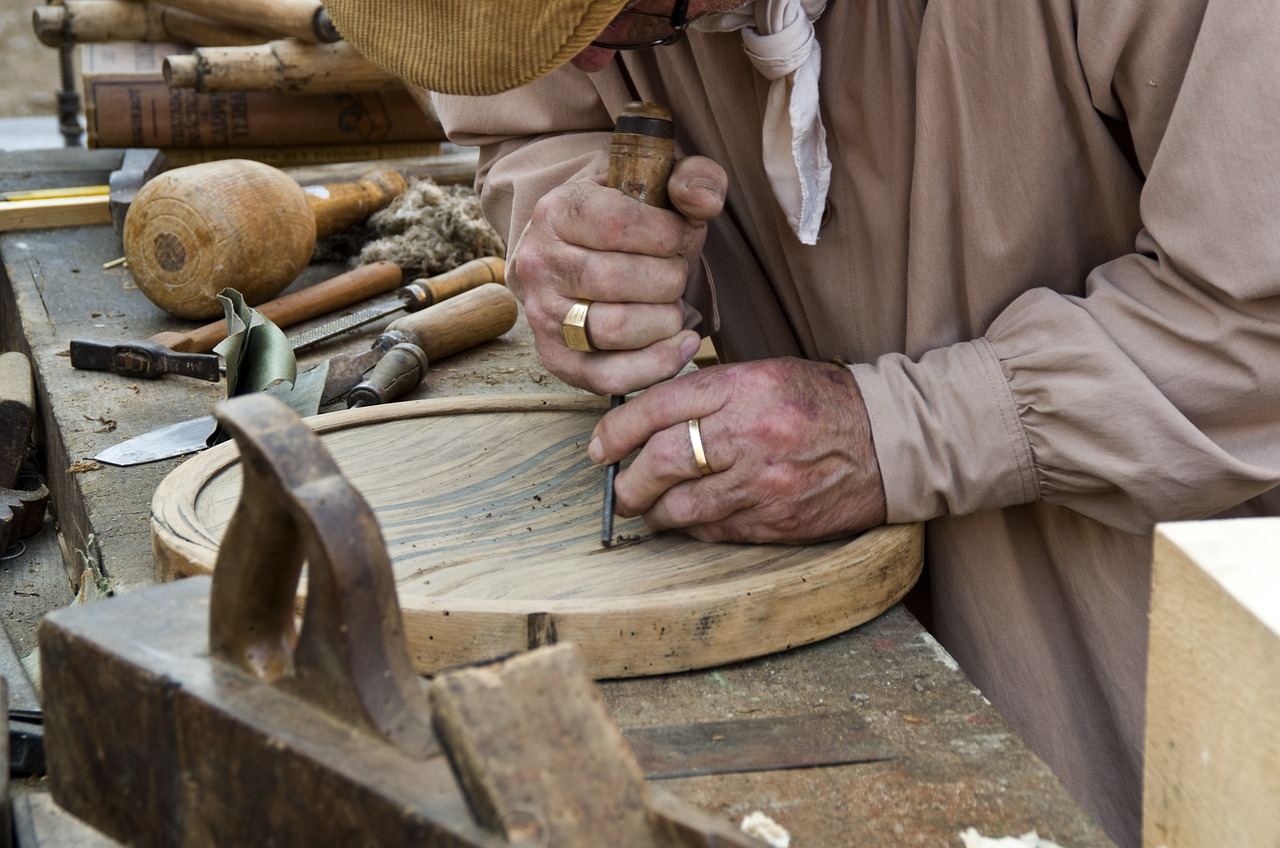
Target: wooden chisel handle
461,322
642,154
469,275
312,302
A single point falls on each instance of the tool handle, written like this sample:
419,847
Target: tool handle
428,291
322,298
460,322
349,658
337,206
397,372
642,153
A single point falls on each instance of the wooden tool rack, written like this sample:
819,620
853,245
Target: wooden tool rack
944,759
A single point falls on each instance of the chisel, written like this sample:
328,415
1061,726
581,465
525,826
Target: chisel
399,356
187,352
419,294
448,327
641,156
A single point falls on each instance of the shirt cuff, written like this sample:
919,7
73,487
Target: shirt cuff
947,433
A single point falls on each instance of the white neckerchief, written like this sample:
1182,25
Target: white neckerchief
779,39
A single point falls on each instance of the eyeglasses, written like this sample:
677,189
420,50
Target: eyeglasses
632,30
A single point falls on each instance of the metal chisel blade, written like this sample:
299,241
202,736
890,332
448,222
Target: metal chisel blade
164,443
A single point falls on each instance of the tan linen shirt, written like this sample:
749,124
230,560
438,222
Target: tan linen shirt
1053,251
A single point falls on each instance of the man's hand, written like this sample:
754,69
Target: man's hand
788,442
587,241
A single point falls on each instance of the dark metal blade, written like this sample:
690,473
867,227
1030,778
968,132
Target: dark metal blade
759,744
346,370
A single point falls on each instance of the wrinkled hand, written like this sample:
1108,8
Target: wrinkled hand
788,440
631,261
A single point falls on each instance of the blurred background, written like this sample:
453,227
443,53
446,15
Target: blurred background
29,81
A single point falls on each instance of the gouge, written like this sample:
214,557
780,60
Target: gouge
399,356
641,156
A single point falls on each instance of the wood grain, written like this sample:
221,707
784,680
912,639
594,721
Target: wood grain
1211,769
489,507
54,212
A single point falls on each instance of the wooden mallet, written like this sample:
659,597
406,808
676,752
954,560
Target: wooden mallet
192,232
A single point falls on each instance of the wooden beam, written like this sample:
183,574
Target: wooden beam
46,212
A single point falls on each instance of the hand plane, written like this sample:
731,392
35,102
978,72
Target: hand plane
200,713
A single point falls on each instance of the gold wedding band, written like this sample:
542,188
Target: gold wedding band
699,455
574,327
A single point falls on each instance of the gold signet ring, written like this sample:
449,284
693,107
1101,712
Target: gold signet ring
574,326
699,455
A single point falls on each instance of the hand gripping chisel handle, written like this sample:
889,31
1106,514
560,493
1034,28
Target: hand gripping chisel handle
641,156
453,325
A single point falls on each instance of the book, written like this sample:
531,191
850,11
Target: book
303,155
128,104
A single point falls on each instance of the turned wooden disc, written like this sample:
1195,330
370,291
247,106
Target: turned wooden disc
490,509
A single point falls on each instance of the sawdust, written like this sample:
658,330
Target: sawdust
427,230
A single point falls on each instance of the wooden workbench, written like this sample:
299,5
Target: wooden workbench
954,762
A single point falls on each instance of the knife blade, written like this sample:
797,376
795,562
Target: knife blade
162,443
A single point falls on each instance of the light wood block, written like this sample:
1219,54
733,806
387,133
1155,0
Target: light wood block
1212,770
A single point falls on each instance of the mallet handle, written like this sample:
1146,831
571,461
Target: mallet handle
312,302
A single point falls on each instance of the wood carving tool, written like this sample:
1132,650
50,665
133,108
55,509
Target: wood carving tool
199,712
193,231
399,356
641,156
187,352
419,294
438,331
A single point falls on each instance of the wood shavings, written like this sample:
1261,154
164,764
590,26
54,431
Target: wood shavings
426,230
760,826
972,839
